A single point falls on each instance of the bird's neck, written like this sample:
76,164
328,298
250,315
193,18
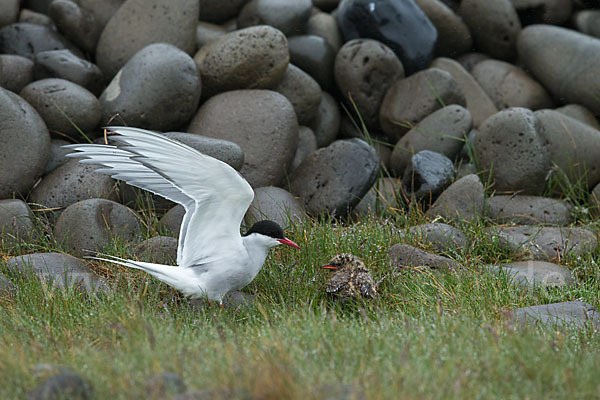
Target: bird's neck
257,252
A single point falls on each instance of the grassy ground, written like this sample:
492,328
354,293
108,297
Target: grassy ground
429,335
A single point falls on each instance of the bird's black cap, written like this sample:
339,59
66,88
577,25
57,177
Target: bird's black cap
267,228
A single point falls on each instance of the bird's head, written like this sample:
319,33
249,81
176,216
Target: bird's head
342,261
270,233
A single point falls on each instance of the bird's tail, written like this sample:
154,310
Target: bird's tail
168,274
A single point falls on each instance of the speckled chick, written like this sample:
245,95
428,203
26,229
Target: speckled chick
351,279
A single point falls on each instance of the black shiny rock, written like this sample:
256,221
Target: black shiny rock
399,24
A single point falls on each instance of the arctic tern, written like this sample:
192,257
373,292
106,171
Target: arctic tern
213,258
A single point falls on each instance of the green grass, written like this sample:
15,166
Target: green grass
429,335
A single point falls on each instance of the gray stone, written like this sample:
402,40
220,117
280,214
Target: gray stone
15,72
385,194
9,10
25,145
307,143
314,56
443,131
545,243
528,210
206,32
494,25
61,270
573,147
57,155
63,386
144,22
220,11
334,179
479,104
158,88
403,256
454,38
224,150
73,182
427,174
326,124
470,60
27,40
302,91
324,25
65,65
6,286
580,113
553,12
172,219
588,22
510,86
442,237
564,61
462,201
264,126
16,221
165,384
91,225
76,23
509,147
411,99
465,169
158,249
32,17
251,58
291,18
535,273
364,70
275,204
569,313
64,106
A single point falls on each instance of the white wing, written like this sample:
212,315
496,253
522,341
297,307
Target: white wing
214,195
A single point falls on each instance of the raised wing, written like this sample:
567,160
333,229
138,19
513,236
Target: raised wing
214,195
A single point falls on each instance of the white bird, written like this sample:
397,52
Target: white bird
213,259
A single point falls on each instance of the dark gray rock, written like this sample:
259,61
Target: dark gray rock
324,25
275,204
159,88
462,201
314,56
509,147
302,91
479,104
15,72
6,286
580,113
403,255
16,221
334,179
528,210
91,225
564,61
364,70
411,99
307,143
27,40
65,65
443,131
144,22
25,145
573,147
510,86
172,219
326,5
251,58
401,25
57,155
220,11
494,25
544,243
206,32
61,270
470,60
224,150
165,384
32,17
588,22
569,313
158,249
64,106
73,182
553,12
427,174
385,194
442,237
291,18
326,124
63,386
264,126
535,273
454,38
9,11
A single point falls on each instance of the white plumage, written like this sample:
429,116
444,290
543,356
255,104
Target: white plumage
212,257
